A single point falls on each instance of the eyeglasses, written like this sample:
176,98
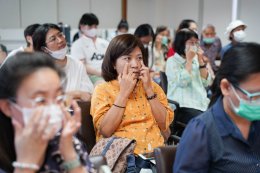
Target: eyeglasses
55,38
63,99
252,97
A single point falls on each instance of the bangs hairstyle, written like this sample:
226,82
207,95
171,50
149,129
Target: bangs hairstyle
88,19
180,40
185,24
119,46
144,30
39,36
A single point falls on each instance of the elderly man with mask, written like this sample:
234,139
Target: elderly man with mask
235,32
211,45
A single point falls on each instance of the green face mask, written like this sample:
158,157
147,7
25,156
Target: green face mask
164,40
208,40
249,110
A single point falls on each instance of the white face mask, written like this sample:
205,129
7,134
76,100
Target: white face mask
193,48
239,36
146,45
53,110
58,54
121,33
90,32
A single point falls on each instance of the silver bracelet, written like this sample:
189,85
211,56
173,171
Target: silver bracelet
25,166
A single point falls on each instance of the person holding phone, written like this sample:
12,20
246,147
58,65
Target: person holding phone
129,104
188,76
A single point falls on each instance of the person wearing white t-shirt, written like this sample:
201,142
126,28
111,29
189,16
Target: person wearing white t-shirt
28,33
50,39
89,48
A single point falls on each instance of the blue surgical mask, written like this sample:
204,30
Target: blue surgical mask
208,40
249,110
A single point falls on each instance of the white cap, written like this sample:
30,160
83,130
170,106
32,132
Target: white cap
234,24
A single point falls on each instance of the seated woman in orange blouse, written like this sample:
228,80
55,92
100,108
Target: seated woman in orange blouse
129,104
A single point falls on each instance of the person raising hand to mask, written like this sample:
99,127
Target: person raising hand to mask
129,104
188,76
194,50
127,80
37,131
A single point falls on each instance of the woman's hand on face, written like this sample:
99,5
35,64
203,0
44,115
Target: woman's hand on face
71,124
200,54
32,140
190,54
127,81
146,78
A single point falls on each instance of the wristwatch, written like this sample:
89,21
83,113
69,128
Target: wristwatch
203,66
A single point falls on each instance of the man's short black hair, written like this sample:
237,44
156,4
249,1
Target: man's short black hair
29,31
88,19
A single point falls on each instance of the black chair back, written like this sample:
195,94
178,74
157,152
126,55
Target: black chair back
164,81
164,157
87,132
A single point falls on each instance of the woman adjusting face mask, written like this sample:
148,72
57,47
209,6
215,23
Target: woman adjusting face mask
52,110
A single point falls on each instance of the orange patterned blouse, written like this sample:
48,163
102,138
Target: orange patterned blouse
137,122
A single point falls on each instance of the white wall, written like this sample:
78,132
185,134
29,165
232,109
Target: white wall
218,13
17,14
250,13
